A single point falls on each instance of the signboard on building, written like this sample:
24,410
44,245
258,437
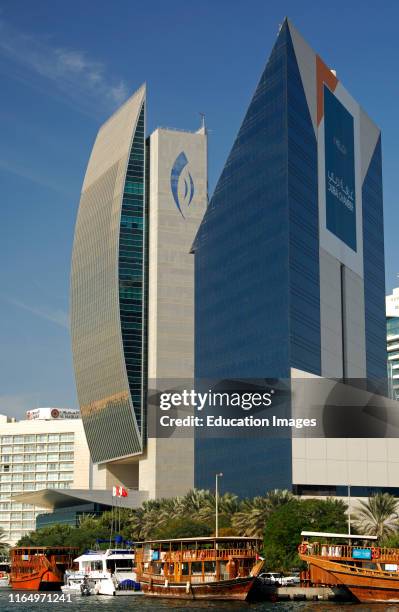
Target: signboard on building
52,413
339,170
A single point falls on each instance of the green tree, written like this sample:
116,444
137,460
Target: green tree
182,528
284,526
145,520
377,516
54,535
89,530
201,505
198,501
197,505
116,521
4,547
391,541
251,518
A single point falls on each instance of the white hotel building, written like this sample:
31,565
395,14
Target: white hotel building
47,450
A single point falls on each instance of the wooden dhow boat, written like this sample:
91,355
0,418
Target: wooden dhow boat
40,568
222,568
369,572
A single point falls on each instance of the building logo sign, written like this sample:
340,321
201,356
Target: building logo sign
181,183
48,414
340,170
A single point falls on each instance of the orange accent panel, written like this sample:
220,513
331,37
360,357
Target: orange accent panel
323,75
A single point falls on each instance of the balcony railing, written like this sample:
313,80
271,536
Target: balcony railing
349,552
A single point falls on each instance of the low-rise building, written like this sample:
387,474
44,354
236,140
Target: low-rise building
47,450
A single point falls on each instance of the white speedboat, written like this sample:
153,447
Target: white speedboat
4,581
108,572
74,583
4,574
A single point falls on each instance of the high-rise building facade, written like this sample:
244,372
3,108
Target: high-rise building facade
296,227
107,287
132,289
392,312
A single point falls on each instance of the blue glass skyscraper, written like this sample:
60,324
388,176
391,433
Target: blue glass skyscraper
289,259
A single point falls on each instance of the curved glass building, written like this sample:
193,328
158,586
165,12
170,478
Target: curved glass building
132,291
107,287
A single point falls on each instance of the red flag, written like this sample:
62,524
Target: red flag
119,492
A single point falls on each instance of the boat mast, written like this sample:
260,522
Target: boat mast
349,509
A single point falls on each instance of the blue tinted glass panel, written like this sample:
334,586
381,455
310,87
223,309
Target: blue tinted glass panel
242,264
304,280
374,268
132,277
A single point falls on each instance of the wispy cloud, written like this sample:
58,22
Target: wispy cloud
55,315
82,81
30,175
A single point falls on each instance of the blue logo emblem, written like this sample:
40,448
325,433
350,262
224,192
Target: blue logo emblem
180,164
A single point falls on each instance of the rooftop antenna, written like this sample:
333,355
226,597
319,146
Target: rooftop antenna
203,126
204,131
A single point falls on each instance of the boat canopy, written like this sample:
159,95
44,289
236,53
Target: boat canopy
109,555
203,539
39,549
91,557
344,536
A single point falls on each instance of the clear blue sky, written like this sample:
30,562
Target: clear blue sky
65,66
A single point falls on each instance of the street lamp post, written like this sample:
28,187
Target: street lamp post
219,475
349,510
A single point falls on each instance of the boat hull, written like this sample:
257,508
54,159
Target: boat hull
36,583
237,589
369,589
43,579
39,568
368,586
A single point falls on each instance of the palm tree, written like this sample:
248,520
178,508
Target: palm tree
253,514
246,517
4,547
377,516
278,497
86,520
197,500
152,515
137,524
229,504
171,508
